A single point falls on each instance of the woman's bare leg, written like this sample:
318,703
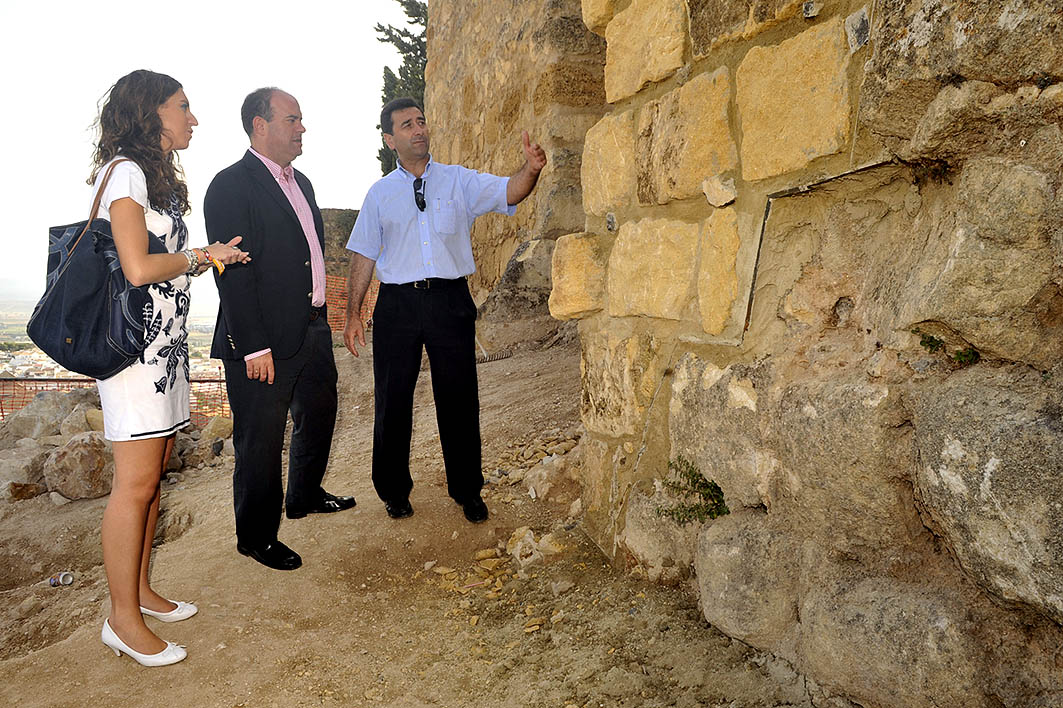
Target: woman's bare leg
148,597
137,466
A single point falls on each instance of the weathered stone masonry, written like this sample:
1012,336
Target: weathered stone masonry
777,195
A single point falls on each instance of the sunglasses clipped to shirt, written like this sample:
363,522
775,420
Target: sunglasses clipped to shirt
418,193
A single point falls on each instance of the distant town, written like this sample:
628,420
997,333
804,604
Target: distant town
20,358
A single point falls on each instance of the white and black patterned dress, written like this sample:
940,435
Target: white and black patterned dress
150,398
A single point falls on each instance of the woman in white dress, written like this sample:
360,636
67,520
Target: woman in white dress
144,121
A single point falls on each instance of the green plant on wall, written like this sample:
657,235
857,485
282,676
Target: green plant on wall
929,342
701,498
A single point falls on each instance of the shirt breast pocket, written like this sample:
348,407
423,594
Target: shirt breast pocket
444,216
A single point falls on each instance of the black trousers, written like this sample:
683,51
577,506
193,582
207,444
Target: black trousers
305,385
442,319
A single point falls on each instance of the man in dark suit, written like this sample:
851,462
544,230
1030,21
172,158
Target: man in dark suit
272,334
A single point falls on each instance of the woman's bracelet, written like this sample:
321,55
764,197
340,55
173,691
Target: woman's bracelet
193,261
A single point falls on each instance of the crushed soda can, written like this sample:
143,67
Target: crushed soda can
63,578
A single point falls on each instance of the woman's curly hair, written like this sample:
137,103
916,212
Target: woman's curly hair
129,124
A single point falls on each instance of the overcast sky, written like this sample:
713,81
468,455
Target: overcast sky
58,59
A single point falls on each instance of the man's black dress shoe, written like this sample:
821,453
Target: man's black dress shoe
475,510
328,504
399,509
272,555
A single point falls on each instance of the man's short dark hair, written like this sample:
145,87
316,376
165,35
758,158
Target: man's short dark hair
257,103
396,104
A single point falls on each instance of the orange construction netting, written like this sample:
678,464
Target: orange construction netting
208,398
336,299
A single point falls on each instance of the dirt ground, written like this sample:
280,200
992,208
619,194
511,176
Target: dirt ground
425,611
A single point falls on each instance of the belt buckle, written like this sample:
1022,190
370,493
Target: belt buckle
422,284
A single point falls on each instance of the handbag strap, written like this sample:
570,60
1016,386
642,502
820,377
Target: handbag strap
98,199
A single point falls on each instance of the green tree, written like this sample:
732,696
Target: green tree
413,49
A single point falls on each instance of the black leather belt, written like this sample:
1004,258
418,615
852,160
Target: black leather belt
316,312
429,283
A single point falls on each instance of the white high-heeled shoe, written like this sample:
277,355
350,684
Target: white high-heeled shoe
183,611
170,655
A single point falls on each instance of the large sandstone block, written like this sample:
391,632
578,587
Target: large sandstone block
607,172
82,468
991,446
651,268
579,263
644,43
747,579
715,21
620,371
685,137
889,644
793,101
717,277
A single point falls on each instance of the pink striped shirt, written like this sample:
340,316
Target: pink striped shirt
285,177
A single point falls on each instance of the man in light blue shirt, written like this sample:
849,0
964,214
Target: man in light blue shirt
414,229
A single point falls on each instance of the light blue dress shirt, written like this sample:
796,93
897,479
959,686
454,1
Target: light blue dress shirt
408,244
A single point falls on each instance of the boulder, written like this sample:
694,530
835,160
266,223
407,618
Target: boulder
887,643
217,427
82,468
747,577
990,443
75,422
663,548
22,472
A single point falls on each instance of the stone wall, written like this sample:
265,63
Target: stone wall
495,69
821,259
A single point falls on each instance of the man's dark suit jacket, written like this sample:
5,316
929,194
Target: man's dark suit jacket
265,304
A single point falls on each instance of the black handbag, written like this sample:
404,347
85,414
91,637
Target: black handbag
90,320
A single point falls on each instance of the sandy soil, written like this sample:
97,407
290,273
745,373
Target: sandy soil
383,612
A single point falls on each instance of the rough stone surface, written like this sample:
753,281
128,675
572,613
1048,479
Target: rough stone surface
608,170
94,417
338,224
964,120
644,43
217,427
40,417
82,468
719,192
538,68
525,286
651,268
75,422
717,277
621,374
893,534
661,547
579,263
684,138
888,643
991,443
597,14
746,575
715,21
923,46
793,101
22,472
